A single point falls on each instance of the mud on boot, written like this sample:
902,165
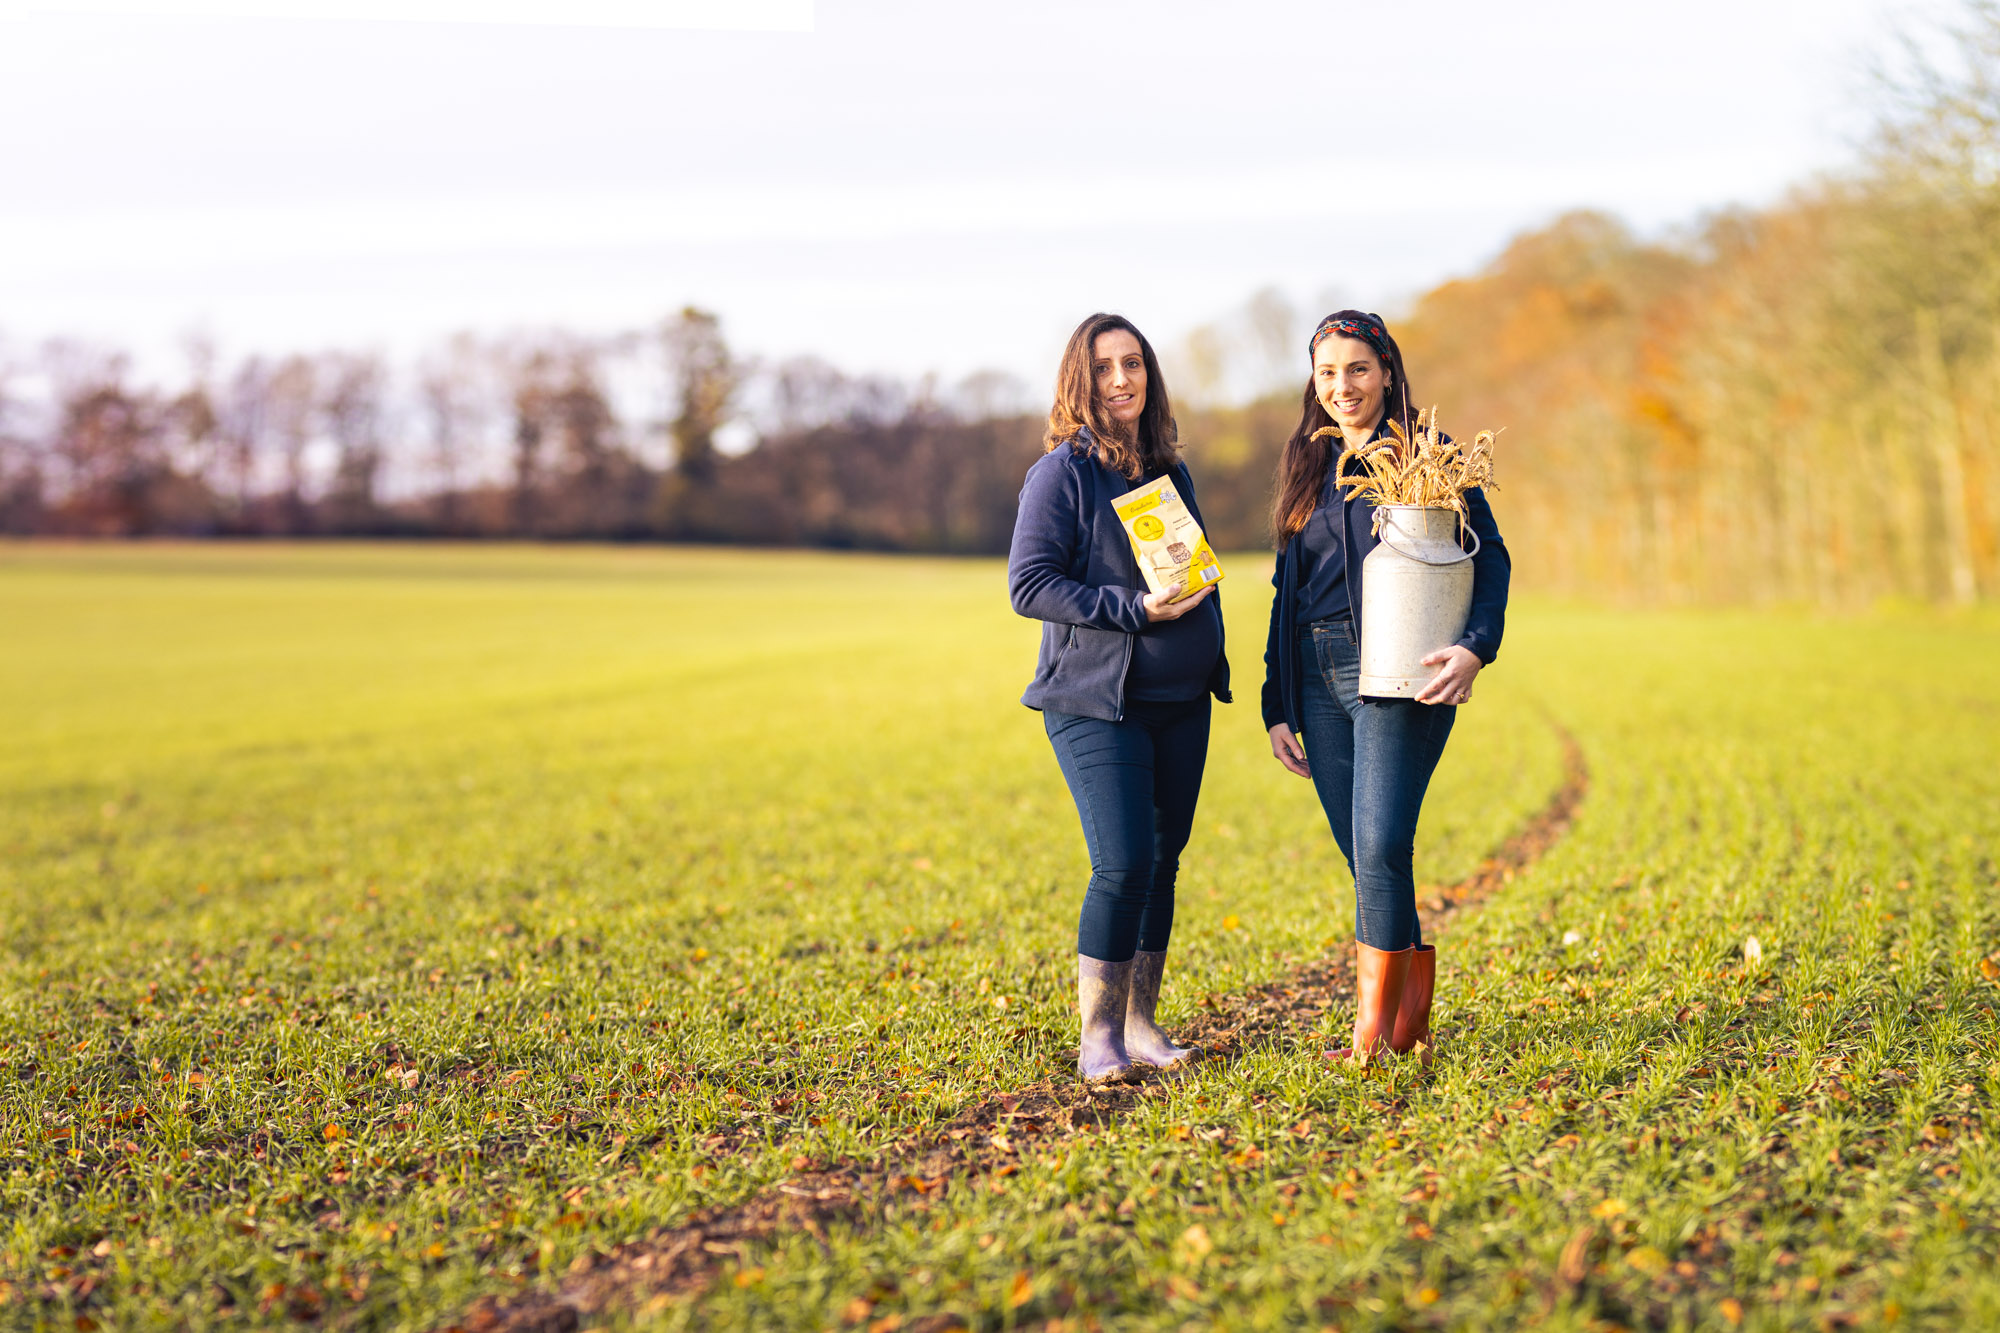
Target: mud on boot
1101,995
1145,1042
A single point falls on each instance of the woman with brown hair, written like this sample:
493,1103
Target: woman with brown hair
1370,759
1123,681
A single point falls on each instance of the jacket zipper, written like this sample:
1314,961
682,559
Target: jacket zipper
1123,670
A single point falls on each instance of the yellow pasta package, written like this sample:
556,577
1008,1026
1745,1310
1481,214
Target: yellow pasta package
1166,540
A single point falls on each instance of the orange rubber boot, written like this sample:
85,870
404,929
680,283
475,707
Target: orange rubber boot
1413,1016
1379,978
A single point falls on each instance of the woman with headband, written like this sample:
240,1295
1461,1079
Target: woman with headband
1370,760
1123,682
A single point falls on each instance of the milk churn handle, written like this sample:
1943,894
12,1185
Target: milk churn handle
1382,535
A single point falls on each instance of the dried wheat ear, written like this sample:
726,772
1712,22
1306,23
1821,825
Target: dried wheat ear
1423,467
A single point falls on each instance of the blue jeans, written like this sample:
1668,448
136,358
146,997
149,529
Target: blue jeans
1135,784
1371,761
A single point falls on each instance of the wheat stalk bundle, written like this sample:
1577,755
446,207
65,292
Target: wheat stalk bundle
1424,467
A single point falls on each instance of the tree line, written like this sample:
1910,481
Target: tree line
531,436
1799,402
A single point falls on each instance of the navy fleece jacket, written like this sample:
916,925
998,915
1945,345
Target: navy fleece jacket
1071,567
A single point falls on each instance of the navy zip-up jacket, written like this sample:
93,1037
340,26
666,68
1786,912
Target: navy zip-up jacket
1491,569
1071,567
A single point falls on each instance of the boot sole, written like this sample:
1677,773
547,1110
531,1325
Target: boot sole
1185,1058
1116,1076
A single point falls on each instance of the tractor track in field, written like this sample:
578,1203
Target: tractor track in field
989,1137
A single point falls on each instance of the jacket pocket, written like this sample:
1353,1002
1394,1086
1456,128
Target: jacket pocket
1057,640
1094,655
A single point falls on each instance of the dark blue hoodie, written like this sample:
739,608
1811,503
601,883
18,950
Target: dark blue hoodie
1071,567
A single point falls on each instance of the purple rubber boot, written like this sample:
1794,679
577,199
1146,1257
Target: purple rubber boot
1144,1041
1101,990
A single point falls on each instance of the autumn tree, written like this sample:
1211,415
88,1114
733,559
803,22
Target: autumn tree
704,380
531,388
22,498
354,405
453,409
604,491
290,415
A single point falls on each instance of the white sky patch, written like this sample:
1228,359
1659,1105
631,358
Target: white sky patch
896,186
697,15
140,238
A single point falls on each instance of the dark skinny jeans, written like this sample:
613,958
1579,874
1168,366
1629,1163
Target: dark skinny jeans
1371,761
1135,784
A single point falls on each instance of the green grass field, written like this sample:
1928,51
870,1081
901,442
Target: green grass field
391,933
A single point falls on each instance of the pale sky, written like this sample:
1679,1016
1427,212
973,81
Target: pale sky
897,188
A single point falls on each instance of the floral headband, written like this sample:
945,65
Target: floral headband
1368,329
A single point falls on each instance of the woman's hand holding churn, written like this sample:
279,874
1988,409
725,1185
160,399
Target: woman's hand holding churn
1453,682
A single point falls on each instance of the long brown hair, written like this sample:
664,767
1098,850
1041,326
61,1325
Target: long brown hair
1150,448
1303,465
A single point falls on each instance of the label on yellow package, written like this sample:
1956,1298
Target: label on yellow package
1166,540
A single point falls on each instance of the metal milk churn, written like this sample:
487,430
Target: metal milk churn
1416,592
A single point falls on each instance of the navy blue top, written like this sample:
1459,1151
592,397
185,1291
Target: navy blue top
1322,591
1173,659
1491,569
1071,567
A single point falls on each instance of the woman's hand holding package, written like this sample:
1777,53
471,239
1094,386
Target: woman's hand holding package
1162,606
